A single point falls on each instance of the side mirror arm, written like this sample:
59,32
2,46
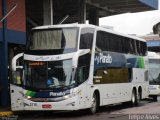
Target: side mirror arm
14,61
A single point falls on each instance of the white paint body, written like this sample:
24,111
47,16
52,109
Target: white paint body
154,89
81,96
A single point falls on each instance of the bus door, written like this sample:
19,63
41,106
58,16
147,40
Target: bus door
82,76
16,89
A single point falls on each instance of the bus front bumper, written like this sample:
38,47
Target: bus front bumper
154,89
65,105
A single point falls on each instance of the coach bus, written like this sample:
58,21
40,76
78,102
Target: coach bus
154,75
79,66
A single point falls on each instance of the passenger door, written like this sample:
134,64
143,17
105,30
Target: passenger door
16,85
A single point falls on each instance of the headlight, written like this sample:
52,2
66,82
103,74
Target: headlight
29,97
66,97
73,94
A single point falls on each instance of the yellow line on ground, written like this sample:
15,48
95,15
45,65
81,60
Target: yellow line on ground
6,113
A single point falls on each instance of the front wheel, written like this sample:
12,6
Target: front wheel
93,108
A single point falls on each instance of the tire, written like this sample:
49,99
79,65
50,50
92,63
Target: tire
94,104
135,99
138,99
154,98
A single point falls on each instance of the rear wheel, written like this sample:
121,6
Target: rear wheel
93,108
135,98
154,98
138,98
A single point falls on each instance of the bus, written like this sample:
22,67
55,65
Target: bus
79,66
154,75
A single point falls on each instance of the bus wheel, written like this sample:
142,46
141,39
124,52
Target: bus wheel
154,98
134,100
138,98
93,108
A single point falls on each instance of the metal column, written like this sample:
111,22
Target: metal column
82,11
93,16
4,62
47,12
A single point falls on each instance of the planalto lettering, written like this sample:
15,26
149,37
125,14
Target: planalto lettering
55,94
103,58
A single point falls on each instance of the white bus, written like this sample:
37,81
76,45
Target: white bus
79,66
154,75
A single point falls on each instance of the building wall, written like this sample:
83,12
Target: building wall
151,37
0,12
153,42
12,33
16,22
0,22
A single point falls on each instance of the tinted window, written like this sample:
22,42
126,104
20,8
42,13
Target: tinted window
86,38
47,39
116,43
82,72
108,42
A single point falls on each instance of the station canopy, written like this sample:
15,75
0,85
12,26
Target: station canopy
61,8
111,7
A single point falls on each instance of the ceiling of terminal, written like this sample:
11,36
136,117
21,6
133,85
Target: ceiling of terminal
118,6
61,8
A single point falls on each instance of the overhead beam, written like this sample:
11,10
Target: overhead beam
136,9
112,1
121,4
127,7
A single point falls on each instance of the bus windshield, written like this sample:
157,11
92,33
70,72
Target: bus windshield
57,38
45,75
154,71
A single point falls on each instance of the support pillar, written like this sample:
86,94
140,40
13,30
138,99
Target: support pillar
47,12
4,82
81,11
94,16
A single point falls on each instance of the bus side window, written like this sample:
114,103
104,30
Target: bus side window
143,48
86,38
82,73
99,41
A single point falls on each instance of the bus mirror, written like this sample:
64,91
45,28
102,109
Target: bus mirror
76,56
14,61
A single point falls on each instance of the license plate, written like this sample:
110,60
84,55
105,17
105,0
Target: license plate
48,106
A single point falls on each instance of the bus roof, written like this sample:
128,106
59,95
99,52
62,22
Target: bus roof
88,25
153,55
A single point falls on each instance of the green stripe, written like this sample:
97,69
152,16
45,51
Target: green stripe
141,62
30,93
